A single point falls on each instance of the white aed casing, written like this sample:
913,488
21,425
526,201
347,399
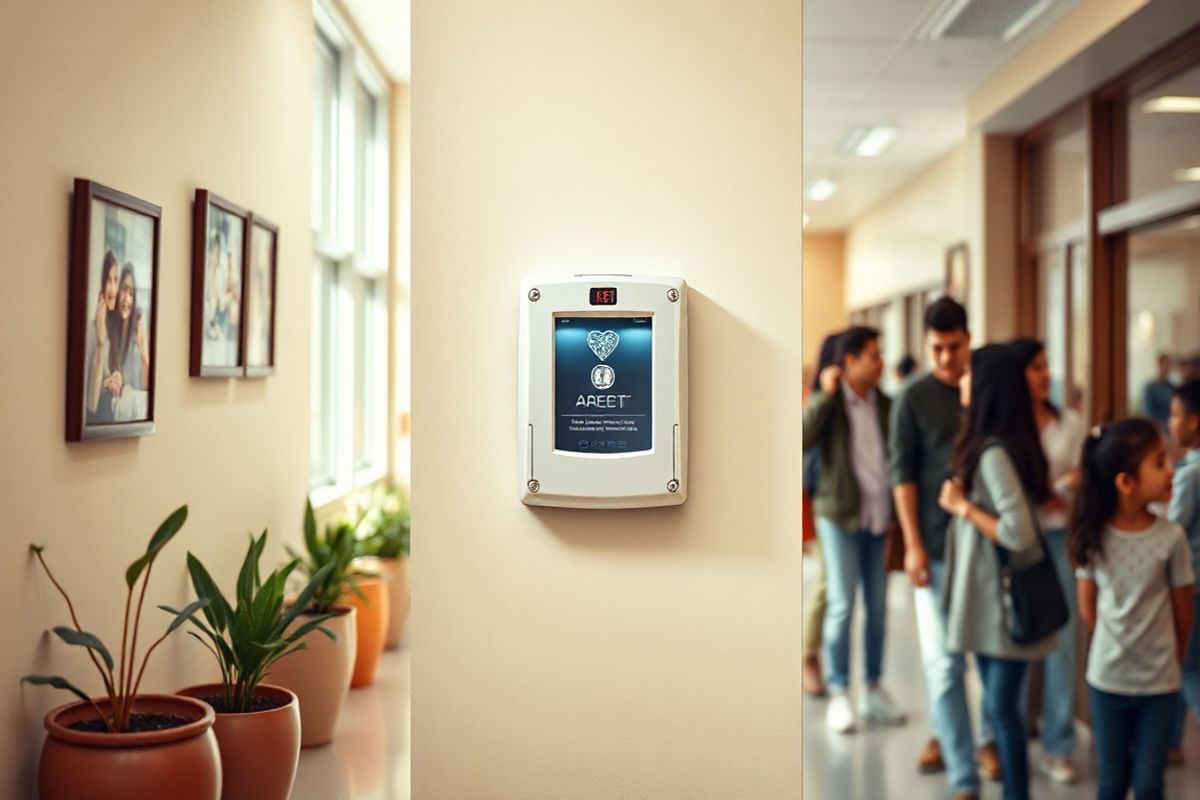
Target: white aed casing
603,391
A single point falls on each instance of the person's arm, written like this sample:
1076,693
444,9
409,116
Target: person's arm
1181,605
1179,574
1183,500
1013,525
904,442
819,411
1085,598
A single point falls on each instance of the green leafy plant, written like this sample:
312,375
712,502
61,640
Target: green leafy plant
248,638
335,548
388,527
122,685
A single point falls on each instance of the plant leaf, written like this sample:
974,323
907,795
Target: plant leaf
310,528
217,612
166,530
57,683
85,639
304,598
183,616
310,626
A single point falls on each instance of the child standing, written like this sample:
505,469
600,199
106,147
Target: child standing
1134,585
1184,425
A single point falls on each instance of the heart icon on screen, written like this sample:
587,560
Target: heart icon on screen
603,343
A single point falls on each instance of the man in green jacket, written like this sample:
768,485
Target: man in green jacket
847,418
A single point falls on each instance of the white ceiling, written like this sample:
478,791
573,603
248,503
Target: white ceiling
865,65
387,26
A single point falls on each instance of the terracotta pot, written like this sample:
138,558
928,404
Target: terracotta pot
259,749
320,675
373,610
399,590
181,763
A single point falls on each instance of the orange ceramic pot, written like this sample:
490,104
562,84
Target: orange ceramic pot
373,608
181,763
399,591
259,749
320,675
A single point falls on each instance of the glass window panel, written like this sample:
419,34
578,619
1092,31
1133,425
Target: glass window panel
1060,178
322,411
324,135
1052,318
1164,293
361,343
1164,144
1081,329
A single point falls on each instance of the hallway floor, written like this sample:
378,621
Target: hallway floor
369,759
880,763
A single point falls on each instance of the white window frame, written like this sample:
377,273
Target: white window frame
367,259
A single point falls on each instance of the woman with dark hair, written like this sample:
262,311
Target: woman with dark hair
129,355
1002,478
814,682
98,400
1062,432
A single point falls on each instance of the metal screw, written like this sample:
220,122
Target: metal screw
673,296
534,486
672,485
535,295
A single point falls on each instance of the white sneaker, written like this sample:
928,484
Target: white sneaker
1060,770
874,705
839,717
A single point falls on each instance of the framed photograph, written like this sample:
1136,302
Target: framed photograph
958,269
219,239
112,314
261,273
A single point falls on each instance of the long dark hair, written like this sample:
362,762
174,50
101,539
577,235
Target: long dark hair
119,347
112,319
826,358
1118,447
1002,411
1026,350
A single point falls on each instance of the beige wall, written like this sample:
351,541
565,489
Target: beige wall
155,99
632,654
899,245
824,291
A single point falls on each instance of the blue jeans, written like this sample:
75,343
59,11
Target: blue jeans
1133,734
944,673
1003,682
1189,695
851,558
1058,686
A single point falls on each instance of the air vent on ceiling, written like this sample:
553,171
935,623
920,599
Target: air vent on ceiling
999,20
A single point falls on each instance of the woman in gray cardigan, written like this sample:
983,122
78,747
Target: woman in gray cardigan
1002,478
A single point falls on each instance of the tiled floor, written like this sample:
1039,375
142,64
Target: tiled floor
369,759
880,764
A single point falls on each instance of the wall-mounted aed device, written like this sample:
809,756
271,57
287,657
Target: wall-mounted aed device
603,391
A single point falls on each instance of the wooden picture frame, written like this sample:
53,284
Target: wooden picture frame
220,237
958,272
261,289
114,252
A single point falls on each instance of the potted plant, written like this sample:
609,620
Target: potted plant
257,725
388,537
320,674
126,744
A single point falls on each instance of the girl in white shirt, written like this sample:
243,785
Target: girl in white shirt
1062,433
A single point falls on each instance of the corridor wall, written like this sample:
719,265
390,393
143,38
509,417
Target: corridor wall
600,654
155,99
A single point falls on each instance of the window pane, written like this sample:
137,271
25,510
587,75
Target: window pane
324,134
1164,293
364,136
1164,144
323,379
1052,316
1060,178
1081,328
360,373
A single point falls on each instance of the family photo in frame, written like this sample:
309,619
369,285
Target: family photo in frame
113,313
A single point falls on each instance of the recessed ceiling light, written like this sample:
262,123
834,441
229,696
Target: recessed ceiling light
822,190
1172,104
869,141
1189,174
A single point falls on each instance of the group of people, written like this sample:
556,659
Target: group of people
1011,520
117,370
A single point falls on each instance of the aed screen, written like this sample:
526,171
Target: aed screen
602,297
603,384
